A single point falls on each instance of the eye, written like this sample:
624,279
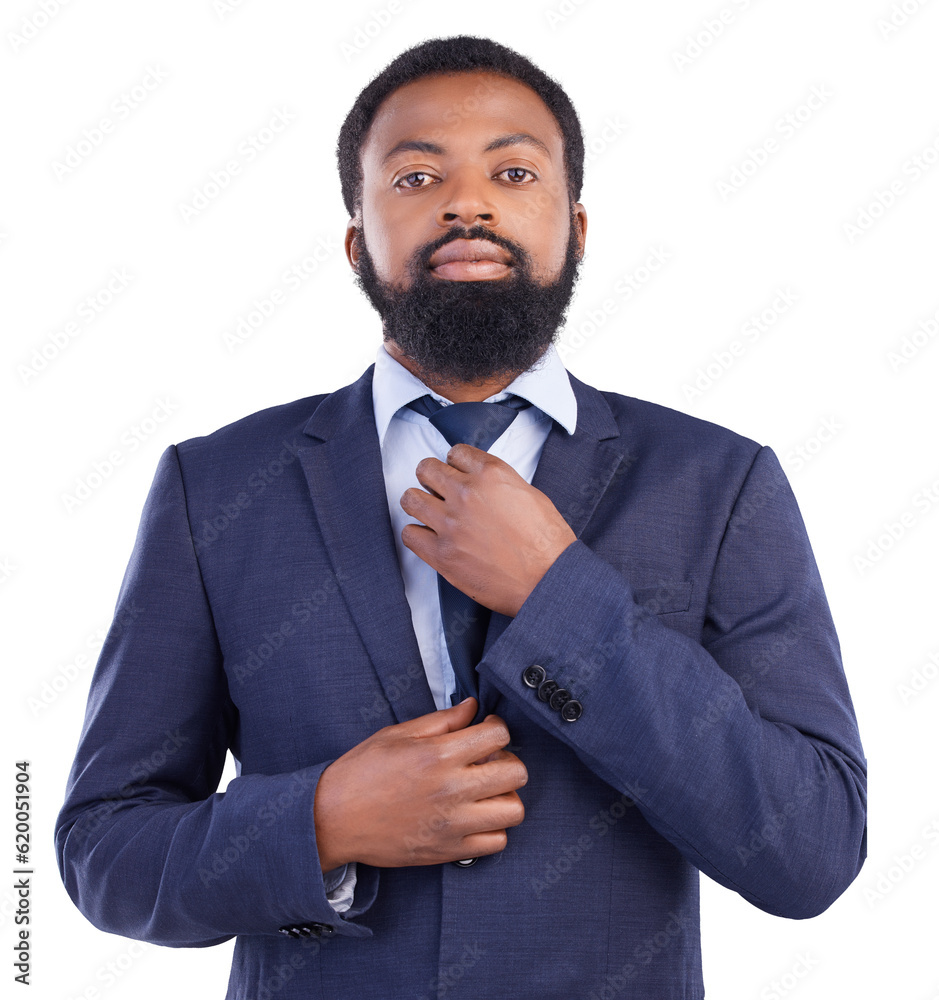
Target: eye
413,180
516,175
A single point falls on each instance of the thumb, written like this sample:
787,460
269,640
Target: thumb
444,720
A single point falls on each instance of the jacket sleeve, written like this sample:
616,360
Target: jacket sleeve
146,846
741,749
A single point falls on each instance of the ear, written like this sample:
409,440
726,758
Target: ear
352,242
580,225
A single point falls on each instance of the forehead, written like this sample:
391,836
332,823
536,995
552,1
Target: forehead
461,110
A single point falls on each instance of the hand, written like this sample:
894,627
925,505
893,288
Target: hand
422,792
484,529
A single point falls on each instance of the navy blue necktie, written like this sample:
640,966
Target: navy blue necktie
464,621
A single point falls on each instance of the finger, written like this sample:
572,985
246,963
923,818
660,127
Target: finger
497,778
441,722
496,813
465,458
509,809
425,507
422,541
432,474
507,751
476,742
478,845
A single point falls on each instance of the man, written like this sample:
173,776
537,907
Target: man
657,688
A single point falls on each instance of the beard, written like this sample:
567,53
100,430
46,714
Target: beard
471,332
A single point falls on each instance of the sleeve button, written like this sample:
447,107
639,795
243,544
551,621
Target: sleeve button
572,711
547,689
533,676
559,699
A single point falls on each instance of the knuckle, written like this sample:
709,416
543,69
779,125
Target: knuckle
500,732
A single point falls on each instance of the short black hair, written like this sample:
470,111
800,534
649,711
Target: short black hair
456,54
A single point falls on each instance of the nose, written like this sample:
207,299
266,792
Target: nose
467,198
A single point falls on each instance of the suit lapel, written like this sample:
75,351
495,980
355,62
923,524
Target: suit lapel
343,470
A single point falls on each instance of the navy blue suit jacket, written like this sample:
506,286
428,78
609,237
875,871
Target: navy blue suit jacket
263,611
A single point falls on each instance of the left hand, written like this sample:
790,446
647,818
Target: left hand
483,528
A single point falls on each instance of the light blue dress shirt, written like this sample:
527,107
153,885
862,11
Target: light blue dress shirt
405,437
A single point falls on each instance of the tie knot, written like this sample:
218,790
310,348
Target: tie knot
476,424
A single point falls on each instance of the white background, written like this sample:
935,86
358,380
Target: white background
664,136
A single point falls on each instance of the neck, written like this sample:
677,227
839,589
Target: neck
456,392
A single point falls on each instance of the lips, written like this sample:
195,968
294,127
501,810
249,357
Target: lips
470,260
469,250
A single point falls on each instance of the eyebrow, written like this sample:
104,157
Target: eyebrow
503,141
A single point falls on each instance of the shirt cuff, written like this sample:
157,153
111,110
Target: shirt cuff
340,886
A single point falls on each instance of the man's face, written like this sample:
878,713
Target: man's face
465,240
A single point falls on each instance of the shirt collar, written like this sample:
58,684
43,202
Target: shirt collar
546,386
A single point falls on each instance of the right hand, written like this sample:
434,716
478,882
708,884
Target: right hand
422,792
